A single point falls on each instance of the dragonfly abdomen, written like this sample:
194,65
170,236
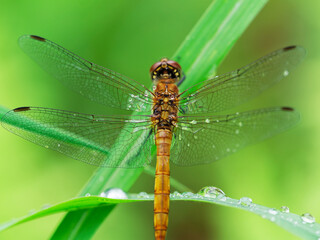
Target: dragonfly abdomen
162,183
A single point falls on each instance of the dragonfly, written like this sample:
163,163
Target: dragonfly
186,128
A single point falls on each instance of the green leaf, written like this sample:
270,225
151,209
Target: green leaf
289,221
199,55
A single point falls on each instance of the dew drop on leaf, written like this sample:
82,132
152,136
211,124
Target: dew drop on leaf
284,209
176,194
115,193
245,201
187,194
273,211
308,218
143,195
45,206
211,192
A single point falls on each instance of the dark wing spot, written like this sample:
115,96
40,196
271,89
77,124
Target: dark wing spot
38,38
287,109
21,109
289,48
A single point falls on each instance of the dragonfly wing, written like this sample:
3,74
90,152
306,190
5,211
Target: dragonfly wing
229,90
93,139
199,140
91,80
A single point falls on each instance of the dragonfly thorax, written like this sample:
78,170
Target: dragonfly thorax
165,108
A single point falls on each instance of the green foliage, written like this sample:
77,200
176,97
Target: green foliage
200,54
307,229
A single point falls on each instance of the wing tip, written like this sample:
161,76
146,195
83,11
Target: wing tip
38,38
289,48
23,38
287,109
298,48
21,109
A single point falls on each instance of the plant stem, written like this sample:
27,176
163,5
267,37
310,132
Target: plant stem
199,55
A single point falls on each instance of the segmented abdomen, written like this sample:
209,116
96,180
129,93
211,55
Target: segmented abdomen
162,183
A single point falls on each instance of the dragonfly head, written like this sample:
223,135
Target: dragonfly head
165,69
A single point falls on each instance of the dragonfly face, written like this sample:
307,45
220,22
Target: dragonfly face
165,69
185,127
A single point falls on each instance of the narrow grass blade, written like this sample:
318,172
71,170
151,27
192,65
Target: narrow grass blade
297,225
200,54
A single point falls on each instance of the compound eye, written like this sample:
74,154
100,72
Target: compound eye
154,67
174,64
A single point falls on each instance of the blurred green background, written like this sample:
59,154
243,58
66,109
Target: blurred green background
128,36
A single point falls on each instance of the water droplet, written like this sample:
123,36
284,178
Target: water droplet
285,73
193,122
143,195
176,194
213,146
59,144
211,192
195,136
136,129
32,211
87,195
240,124
187,194
237,131
273,211
207,120
237,113
45,206
217,120
245,201
188,144
115,193
308,218
228,149
284,209
46,146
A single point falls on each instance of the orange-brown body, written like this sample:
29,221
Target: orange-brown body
164,118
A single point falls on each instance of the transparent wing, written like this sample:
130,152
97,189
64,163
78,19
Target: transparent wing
85,137
199,140
229,90
97,83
